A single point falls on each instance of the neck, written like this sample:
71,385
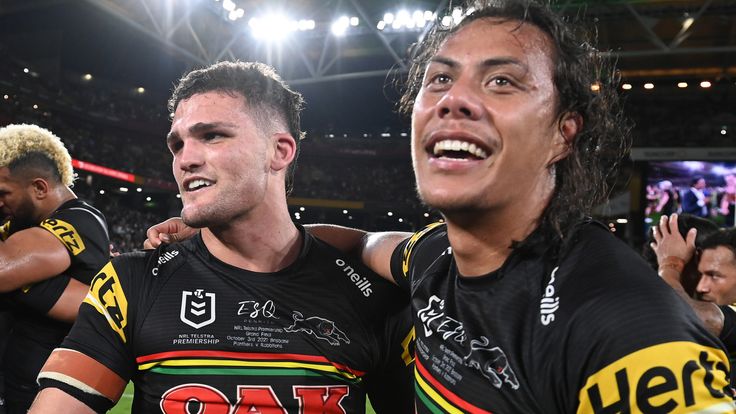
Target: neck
262,241
54,200
481,240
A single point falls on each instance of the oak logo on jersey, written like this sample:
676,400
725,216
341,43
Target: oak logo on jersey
318,327
671,377
66,233
491,361
107,297
197,308
253,399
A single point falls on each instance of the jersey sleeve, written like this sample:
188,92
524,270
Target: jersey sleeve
408,255
95,361
84,235
390,387
42,296
728,333
638,348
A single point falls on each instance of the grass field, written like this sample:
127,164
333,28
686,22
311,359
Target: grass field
123,406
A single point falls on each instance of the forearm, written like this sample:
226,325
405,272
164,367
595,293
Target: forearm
345,239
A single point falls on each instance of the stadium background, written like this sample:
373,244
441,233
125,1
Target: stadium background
98,73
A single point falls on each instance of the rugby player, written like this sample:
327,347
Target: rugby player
51,237
253,314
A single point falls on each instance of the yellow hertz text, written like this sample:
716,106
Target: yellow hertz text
676,377
66,233
107,297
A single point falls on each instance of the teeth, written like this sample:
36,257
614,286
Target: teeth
457,145
193,185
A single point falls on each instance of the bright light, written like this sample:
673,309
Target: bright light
272,27
428,15
354,21
102,191
301,209
381,25
401,220
626,86
723,131
648,85
35,106
148,198
388,18
705,84
6,97
25,70
123,189
141,89
87,76
340,26
232,15
446,21
622,221
595,87
682,85
228,5
693,165
344,212
390,213
426,214
304,25
139,189
687,23
178,196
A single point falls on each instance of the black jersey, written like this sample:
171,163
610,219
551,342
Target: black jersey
83,231
189,329
728,333
594,332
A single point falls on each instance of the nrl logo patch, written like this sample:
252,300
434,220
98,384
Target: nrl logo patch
197,308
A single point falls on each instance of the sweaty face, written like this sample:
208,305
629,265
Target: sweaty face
16,201
484,130
717,269
221,159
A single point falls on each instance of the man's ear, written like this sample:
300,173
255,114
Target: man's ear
39,188
568,127
284,150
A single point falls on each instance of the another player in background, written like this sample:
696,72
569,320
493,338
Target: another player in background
50,235
252,315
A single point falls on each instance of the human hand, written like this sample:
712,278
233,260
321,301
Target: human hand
668,242
169,231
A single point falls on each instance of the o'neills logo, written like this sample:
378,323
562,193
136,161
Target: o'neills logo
549,303
361,282
682,377
163,259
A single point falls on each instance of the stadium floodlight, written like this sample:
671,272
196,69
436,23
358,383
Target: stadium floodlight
344,212
272,27
429,16
381,25
648,85
446,21
682,85
228,5
123,189
705,84
388,18
340,26
141,90
148,198
87,76
354,21
102,191
304,25
626,86
139,189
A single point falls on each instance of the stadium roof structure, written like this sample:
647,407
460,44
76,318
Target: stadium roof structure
649,38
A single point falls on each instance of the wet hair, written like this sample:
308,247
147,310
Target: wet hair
583,177
30,151
270,100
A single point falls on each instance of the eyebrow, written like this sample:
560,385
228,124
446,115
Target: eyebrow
487,63
200,127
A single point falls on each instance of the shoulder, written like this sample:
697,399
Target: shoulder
421,249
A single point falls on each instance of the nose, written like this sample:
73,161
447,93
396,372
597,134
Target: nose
460,101
190,156
703,285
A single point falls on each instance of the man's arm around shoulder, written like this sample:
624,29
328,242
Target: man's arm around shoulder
30,256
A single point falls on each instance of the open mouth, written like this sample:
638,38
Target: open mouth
197,184
455,149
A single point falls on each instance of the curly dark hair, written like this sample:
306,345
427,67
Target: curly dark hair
725,238
268,97
583,177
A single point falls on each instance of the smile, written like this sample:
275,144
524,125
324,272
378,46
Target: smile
458,150
197,184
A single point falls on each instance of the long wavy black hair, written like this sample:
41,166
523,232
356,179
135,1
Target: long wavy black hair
583,177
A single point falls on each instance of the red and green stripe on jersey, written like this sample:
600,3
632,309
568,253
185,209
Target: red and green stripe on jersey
438,399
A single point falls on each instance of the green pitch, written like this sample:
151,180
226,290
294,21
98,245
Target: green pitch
123,406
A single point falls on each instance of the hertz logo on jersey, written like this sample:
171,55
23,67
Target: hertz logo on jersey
107,297
406,254
66,233
682,377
